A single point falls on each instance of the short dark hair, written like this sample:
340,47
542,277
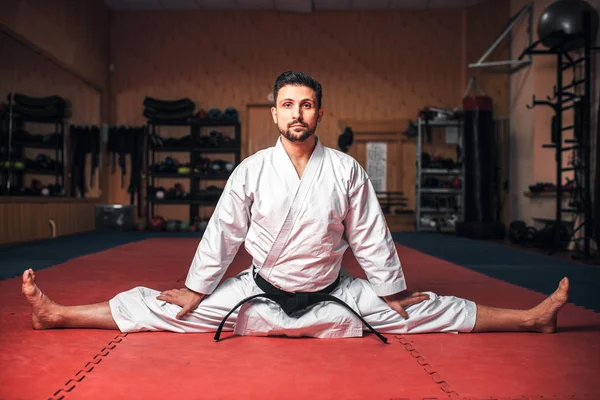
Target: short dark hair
298,79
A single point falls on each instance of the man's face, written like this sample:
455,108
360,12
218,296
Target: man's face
296,113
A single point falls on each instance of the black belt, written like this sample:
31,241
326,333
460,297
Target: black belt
291,302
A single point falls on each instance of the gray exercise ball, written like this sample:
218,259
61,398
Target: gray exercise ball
566,16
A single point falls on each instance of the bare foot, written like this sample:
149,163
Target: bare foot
44,312
544,315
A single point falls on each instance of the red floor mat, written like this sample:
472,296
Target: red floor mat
196,367
506,365
158,365
35,364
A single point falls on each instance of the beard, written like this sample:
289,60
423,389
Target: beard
292,137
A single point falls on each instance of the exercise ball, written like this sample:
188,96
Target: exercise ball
566,17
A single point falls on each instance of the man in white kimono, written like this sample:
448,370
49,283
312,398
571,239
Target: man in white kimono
297,207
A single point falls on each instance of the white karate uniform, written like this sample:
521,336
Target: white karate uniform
296,231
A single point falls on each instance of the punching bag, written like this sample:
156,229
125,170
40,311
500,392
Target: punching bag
596,215
479,160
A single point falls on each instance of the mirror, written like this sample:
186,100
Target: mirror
49,126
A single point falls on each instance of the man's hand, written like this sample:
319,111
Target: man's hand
404,299
184,297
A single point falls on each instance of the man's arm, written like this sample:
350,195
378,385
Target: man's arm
371,242
225,232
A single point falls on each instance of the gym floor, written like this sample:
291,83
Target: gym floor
94,267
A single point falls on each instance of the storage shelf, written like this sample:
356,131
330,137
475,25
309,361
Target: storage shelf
186,122
221,122
41,171
441,191
206,150
548,194
196,154
189,176
444,229
38,145
440,171
19,198
31,171
16,153
175,202
430,210
195,121
38,120
442,123
422,173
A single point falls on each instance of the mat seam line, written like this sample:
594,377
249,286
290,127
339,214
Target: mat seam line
428,368
80,375
453,394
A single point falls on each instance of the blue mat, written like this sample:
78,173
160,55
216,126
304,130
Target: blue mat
48,252
532,271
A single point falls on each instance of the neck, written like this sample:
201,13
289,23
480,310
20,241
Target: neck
299,152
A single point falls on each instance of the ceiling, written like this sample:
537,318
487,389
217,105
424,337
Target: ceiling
303,6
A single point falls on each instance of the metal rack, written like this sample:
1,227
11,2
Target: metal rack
571,95
13,167
195,152
440,212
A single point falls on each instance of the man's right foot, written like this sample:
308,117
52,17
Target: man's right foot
544,315
44,312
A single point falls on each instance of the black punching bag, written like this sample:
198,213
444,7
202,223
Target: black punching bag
596,215
479,159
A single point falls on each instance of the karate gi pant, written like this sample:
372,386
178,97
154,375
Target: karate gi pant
138,310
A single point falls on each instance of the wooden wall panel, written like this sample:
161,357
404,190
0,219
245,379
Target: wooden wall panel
522,130
373,65
75,33
485,22
260,131
25,219
213,58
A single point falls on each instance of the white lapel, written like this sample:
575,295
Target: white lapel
285,168
303,187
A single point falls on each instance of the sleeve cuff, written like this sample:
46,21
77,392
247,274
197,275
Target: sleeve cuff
199,287
388,289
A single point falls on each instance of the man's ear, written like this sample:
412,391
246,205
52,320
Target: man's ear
320,116
274,114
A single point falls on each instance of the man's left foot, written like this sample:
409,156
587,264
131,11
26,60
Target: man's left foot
44,312
544,315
